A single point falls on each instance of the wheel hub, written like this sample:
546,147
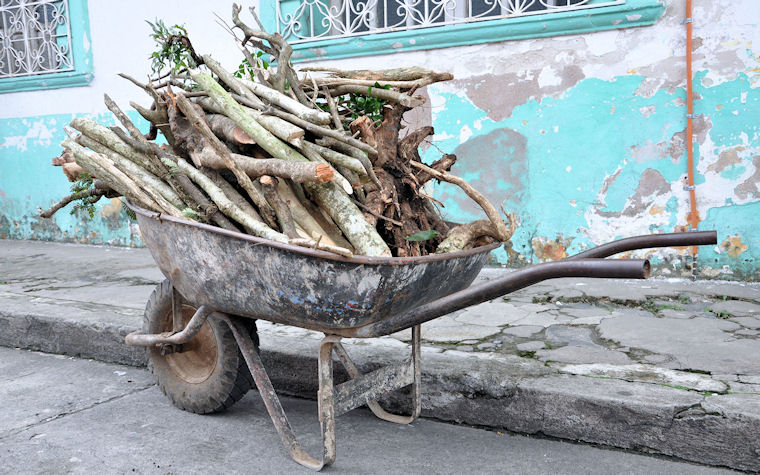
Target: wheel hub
195,360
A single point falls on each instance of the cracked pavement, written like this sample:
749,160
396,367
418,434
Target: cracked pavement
68,415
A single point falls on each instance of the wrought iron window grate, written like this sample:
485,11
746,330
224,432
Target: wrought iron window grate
308,20
35,37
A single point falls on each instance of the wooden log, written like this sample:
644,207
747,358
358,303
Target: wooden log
226,206
323,131
381,93
298,172
305,212
301,111
351,151
99,166
337,158
314,156
107,137
131,173
403,85
231,81
284,217
226,128
278,127
194,114
396,74
134,171
208,212
72,171
331,197
233,195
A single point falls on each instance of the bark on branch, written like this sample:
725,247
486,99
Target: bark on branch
503,233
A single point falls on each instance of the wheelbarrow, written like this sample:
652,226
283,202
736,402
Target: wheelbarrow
200,331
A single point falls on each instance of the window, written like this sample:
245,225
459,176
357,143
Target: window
345,28
43,44
315,19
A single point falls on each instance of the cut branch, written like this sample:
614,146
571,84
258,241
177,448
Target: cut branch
91,193
503,234
226,206
385,94
301,111
284,217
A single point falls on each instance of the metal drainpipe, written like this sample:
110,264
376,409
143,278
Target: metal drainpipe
693,217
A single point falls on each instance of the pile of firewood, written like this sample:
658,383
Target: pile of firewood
263,151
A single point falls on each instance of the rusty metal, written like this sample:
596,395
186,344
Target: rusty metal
271,401
247,276
195,360
177,321
416,378
699,238
240,276
622,269
137,338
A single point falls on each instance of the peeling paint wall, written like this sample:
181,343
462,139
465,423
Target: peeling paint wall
583,136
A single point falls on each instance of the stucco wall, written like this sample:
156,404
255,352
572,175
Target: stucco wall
31,123
581,135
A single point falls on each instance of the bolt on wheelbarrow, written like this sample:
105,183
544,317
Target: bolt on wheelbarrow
200,323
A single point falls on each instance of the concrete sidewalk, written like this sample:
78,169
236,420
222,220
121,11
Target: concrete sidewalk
662,366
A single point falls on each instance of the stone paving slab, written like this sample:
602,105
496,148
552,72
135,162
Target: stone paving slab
663,365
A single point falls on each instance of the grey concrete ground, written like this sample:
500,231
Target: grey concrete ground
68,415
664,366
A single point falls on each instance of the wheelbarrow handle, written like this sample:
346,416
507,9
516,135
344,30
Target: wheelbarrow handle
585,264
697,238
612,269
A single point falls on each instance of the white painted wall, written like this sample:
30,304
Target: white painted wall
120,43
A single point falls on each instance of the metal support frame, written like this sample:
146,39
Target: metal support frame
187,332
332,400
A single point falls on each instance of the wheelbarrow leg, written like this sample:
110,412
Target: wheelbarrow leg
353,372
276,412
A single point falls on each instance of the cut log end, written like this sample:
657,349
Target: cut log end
241,137
325,173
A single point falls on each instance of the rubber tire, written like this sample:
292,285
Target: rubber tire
229,378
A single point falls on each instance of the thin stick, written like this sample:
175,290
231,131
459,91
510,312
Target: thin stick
284,217
195,115
227,206
385,94
333,108
490,210
377,215
91,193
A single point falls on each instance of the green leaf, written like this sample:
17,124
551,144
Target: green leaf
423,235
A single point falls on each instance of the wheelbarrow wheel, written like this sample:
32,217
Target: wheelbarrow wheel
208,373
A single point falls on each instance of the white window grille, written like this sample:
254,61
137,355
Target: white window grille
35,37
308,20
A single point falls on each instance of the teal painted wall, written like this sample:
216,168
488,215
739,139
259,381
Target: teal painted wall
584,168
28,181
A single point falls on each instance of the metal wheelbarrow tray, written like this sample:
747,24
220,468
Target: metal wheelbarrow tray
230,278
